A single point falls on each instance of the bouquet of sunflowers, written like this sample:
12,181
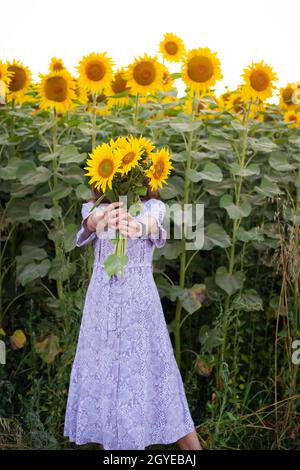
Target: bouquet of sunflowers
120,168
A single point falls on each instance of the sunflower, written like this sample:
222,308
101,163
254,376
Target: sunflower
80,93
292,117
235,103
144,75
167,80
56,65
188,105
288,96
119,142
101,99
201,69
118,85
95,72
172,47
56,91
146,144
5,75
130,153
160,168
20,79
224,98
102,166
259,81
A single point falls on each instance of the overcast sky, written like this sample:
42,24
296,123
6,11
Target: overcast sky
239,31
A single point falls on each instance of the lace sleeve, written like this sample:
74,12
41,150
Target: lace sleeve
157,209
84,235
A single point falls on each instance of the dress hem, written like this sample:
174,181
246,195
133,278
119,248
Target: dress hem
164,441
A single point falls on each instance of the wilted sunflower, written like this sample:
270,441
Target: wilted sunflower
56,91
293,118
172,47
160,168
144,75
201,69
56,65
288,96
102,166
20,79
95,72
130,153
259,81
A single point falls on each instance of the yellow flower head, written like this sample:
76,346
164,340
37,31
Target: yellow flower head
80,93
259,81
5,75
119,142
288,97
130,153
292,117
144,75
201,69
160,168
235,102
20,79
147,145
172,47
95,72
56,91
102,166
167,80
118,85
56,65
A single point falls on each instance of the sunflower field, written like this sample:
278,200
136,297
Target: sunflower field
232,307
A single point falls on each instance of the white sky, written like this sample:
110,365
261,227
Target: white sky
239,31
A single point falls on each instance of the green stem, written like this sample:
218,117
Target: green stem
58,253
136,109
236,223
94,121
183,257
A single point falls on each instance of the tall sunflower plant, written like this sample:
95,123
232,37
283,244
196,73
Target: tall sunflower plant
119,168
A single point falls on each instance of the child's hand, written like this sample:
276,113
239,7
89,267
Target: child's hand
129,226
112,215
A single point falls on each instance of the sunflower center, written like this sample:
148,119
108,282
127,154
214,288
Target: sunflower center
259,80
200,69
56,89
287,95
118,84
18,78
292,117
144,73
171,47
95,70
106,168
128,158
159,168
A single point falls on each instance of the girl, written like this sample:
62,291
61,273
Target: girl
126,391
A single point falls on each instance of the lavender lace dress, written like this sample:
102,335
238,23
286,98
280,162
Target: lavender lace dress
126,391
